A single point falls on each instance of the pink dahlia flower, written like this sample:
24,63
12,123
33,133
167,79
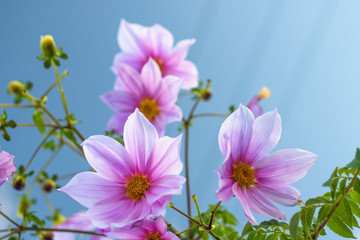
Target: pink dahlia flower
131,182
78,221
149,229
254,106
7,166
139,43
155,97
252,174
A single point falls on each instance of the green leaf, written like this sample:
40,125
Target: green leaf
273,236
248,228
11,124
69,134
28,85
342,186
355,208
356,162
47,63
233,235
337,226
56,61
333,174
306,216
344,212
323,212
260,236
63,56
294,223
333,186
355,196
6,136
317,200
356,185
50,145
39,120
251,236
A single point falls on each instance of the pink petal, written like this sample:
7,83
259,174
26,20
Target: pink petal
140,137
151,77
187,71
165,185
109,158
284,167
158,207
244,200
286,195
179,52
225,193
160,41
119,100
117,122
168,92
236,130
165,158
266,135
132,38
260,205
130,80
128,58
89,188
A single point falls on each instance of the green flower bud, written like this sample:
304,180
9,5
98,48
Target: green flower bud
48,185
24,206
48,46
206,94
16,87
58,219
18,182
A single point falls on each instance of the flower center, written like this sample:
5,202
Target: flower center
136,187
244,175
149,108
161,66
153,236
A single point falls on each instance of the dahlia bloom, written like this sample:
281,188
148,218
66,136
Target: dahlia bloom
139,43
7,166
254,106
152,229
155,97
78,221
252,174
131,182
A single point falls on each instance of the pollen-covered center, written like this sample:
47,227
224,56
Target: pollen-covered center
244,175
161,65
136,187
149,108
153,236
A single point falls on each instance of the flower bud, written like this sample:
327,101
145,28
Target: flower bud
18,182
48,46
16,87
46,236
48,185
24,206
206,94
58,219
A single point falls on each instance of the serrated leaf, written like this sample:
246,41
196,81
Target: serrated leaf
333,186
323,212
356,162
306,216
247,228
251,236
294,223
317,200
344,212
273,236
355,196
342,185
260,236
333,174
233,235
337,226
354,207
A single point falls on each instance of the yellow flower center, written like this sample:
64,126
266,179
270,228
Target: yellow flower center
136,187
160,63
153,236
244,175
149,108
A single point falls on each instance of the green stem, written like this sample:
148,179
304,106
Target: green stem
39,147
214,235
188,229
213,214
61,90
43,168
194,197
48,203
16,106
78,133
210,115
50,115
11,233
54,84
9,219
187,173
35,125
336,205
184,214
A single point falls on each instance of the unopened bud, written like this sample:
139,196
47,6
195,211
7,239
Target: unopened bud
16,87
48,185
18,182
46,235
58,219
206,94
24,206
48,46
264,93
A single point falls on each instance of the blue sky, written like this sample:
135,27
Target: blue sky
305,52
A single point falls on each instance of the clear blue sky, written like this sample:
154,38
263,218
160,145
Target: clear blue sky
307,52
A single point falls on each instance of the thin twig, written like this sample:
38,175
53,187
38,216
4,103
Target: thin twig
9,219
189,217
